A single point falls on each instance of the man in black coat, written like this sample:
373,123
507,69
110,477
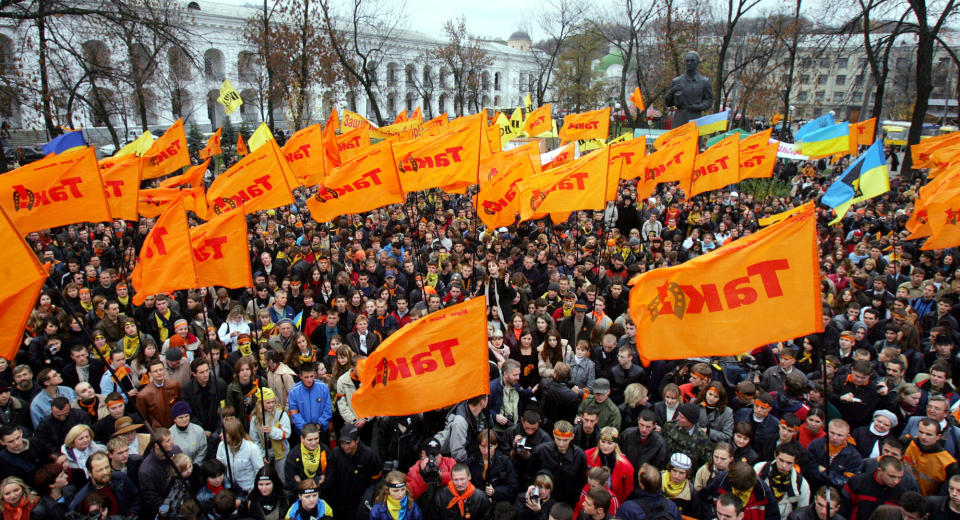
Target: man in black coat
460,499
352,468
642,443
53,429
566,462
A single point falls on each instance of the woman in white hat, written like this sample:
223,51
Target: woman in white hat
676,485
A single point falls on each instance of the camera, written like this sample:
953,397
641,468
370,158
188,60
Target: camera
430,472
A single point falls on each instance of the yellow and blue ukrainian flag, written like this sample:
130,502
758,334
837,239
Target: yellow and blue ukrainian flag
712,123
865,178
812,126
826,141
66,142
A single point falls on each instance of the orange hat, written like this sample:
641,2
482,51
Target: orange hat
429,290
176,341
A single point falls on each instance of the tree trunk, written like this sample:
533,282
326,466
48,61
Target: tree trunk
44,78
793,65
267,63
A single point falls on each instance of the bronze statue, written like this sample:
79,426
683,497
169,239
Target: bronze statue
691,93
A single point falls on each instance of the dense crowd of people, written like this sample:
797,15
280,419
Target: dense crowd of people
237,402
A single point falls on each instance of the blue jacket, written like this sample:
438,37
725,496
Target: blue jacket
310,405
631,509
123,489
844,465
495,400
380,512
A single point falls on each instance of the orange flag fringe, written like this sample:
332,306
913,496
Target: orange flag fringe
220,249
436,351
680,133
21,280
168,154
538,122
121,182
166,260
257,182
55,191
213,145
678,310
367,182
586,125
331,150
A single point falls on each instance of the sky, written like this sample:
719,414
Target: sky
495,19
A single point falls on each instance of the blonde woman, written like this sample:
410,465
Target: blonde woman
607,454
235,325
246,457
18,499
78,446
274,430
394,498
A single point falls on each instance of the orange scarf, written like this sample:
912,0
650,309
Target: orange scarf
460,499
17,512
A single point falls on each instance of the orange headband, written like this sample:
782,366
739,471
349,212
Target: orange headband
784,423
111,403
562,435
761,404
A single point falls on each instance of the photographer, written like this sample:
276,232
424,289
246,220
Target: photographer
536,503
494,474
433,469
524,438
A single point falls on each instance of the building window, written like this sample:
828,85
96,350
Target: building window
837,97
840,80
820,96
802,96
804,79
858,81
807,63
842,63
821,80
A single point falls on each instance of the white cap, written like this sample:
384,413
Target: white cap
681,461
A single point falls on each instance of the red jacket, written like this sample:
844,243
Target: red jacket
621,475
418,486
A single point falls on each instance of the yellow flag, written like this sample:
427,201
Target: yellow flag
229,97
138,146
260,137
513,130
527,102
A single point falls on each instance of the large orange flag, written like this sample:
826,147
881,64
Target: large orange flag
493,138
352,143
757,156
921,151
496,202
865,131
445,351
401,117
680,133
716,167
491,167
257,182
331,152
367,182
450,160
738,287
586,125
193,177
121,181
168,154
213,145
943,217
669,164
579,185
166,260
538,122
436,124
241,146
152,202
220,248
918,224
21,280
333,120
558,157
304,153
626,162
55,191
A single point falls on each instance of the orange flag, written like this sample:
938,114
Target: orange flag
738,287
333,120
450,160
677,134
921,151
586,125
716,167
121,182
241,146
579,185
493,138
259,181
566,154
304,153
865,131
213,145
446,347
352,143
626,162
401,117
436,124
538,122
55,191
668,164
919,222
168,154
152,202
776,118
192,177
166,260
21,280
366,182
496,202
757,156
491,167
637,99
417,114
943,217
331,151
220,249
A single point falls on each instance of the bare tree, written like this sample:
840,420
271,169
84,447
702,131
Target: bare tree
575,81
427,84
735,11
361,39
465,58
558,19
